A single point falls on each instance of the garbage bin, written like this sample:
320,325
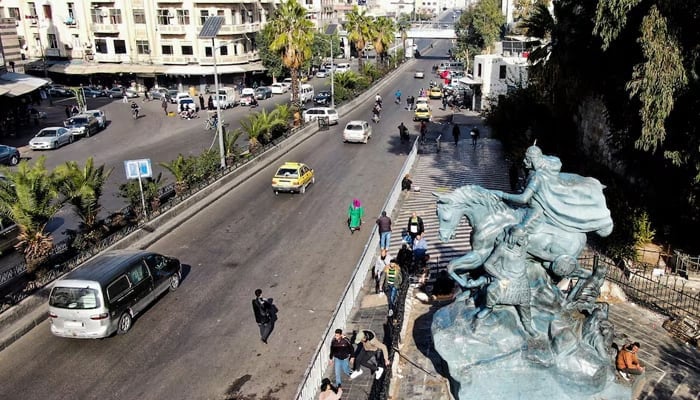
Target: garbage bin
323,123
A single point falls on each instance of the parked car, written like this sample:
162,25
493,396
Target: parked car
314,113
247,95
59,91
287,82
323,98
92,93
104,295
131,93
115,92
160,93
322,73
263,92
51,138
99,116
221,101
172,93
9,155
342,67
82,125
357,131
278,88
187,102
293,177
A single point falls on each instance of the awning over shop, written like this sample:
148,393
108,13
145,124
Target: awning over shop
469,81
209,69
13,84
68,68
151,70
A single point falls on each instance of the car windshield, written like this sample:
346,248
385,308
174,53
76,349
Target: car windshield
353,127
187,101
74,298
288,172
78,121
46,133
261,90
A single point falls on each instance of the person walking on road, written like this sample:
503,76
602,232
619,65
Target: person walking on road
391,282
210,103
384,225
379,266
474,133
355,214
265,315
370,353
164,105
415,226
455,133
201,101
342,352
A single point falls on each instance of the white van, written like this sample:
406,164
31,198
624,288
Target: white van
450,66
230,96
306,93
342,67
314,113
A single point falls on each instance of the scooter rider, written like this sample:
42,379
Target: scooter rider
398,96
135,109
375,112
378,99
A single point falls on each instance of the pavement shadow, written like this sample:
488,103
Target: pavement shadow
423,339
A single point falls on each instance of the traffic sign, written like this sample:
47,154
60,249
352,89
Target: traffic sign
138,168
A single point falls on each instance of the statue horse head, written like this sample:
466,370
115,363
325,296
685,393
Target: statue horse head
486,212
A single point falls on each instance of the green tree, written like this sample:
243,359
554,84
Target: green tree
271,60
359,28
231,146
30,198
182,169
292,35
384,34
82,188
131,192
403,25
479,27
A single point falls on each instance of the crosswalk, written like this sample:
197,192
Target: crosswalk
453,167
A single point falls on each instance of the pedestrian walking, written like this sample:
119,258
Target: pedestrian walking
265,315
384,225
406,183
379,266
415,226
390,283
420,254
342,353
164,105
370,353
355,214
455,133
474,133
125,99
67,111
210,103
444,102
201,101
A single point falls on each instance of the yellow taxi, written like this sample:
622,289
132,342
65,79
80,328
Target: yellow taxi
292,177
422,113
435,92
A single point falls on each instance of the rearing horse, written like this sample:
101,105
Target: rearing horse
489,216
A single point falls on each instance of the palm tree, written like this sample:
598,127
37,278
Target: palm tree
358,26
82,188
232,149
403,26
28,197
182,169
254,128
292,37
384,34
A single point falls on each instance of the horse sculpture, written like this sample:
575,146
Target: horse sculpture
489,216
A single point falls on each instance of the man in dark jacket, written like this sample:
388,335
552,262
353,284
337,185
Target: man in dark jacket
384,225
264,315
341,355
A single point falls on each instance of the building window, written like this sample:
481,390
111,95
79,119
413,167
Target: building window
13,12
96,15
163,17
119,46
223,50
187,50
479,70
183,17
71,10
250,16
502,72
47,11
115,16
76,41
203,15
139,16
166,49
32,10
142,47
207,51
51,40
221,13
101,46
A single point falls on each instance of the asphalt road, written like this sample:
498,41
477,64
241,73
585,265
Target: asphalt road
201,342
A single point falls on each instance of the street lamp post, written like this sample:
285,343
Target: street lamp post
209,30
330,30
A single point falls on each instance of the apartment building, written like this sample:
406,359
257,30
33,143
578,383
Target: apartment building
140,38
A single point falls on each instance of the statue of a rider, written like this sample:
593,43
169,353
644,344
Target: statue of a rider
568,201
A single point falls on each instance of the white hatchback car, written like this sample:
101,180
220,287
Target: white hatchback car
314,113
278,88
357,131
321,73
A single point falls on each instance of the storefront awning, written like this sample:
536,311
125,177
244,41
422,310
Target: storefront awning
13,84
151,70
209,69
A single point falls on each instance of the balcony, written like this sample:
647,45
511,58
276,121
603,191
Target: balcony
105,28
343,7
172,29
111,58
240,28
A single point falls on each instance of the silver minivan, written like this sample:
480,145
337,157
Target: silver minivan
105,294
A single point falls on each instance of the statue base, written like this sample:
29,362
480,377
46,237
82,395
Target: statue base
494,358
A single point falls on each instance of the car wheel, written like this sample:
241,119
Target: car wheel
276,192
14,160
302,190
124,324
70,139
54,145
87,133
313,179
174,282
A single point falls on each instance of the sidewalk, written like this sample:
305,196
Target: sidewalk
418,371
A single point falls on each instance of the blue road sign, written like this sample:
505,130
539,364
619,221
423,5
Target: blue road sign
138,168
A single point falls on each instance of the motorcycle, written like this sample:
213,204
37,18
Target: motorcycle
135,113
